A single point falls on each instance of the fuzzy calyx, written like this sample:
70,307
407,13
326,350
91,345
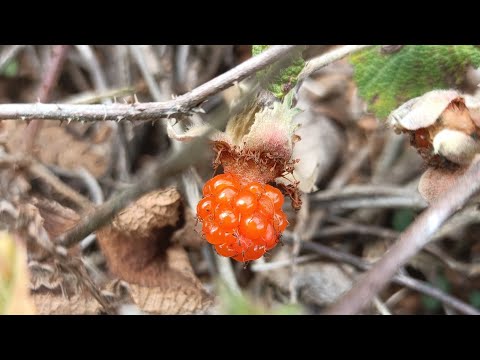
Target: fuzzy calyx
258,143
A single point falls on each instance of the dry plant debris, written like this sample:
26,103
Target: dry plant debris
360,184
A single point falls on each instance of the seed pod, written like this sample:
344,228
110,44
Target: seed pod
442,126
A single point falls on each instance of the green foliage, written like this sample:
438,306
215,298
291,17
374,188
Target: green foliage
257,49
10,69
432,304
287,77
402,218
387,80
233,304
475,298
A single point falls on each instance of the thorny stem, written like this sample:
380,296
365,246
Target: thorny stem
410,242
183,104
49,80
325,59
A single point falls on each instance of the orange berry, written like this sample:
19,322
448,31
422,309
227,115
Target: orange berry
270,237
205,208
266,207
226,218
245,202
219,182
256,188
228,250
254,252
253,226
275,195
242,221
226,196
213,233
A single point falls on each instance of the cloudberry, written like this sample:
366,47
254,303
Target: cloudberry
243,219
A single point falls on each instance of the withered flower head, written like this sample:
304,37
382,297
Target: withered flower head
443,126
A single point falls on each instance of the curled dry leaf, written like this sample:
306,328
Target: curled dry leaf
57,218
178,291
138,248
443,126
54,288
152,211
54,219
135,243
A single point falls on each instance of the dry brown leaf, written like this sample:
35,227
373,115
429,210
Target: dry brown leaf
138,249
178,290
47,275
50,302
55,289
134,244
52,218
154,210
57,218
55,145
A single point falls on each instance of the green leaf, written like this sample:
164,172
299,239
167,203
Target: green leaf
432,304
475,298
287,77
10,69
234,304
402,218
387,80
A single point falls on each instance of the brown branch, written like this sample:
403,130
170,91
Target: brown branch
418,285
37,169
183,104
49,80
357,196
411,241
